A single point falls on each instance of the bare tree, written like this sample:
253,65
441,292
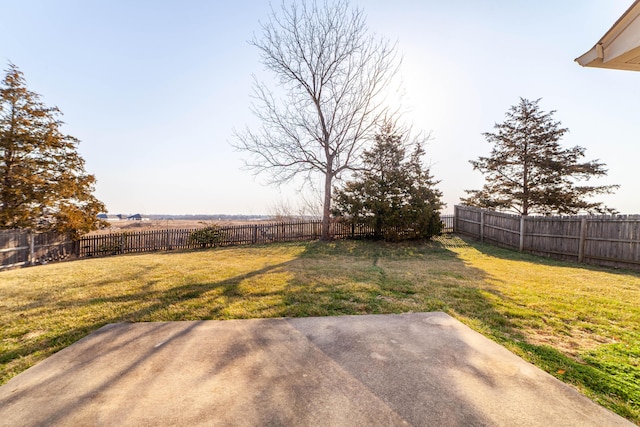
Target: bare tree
308,205
333,76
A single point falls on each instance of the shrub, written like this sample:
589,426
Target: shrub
206,237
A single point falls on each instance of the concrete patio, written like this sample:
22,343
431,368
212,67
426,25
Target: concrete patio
423,369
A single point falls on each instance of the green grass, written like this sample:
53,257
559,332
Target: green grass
581,324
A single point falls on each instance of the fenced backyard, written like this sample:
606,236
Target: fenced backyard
24,248
611,241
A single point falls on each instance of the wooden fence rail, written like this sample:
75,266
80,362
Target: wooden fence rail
612,241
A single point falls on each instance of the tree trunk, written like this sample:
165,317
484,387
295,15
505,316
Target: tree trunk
326,208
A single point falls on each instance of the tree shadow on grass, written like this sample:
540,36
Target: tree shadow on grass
326,279
129,307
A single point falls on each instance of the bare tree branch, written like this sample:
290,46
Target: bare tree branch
335,75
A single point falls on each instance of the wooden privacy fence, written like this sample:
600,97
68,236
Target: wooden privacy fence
20,248
612,241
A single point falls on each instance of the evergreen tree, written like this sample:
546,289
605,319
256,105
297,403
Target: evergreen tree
530,173
393,193
43,184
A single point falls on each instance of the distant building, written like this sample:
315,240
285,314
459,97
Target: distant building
137,217
108,217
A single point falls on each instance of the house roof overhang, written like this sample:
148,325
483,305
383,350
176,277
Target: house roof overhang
619,48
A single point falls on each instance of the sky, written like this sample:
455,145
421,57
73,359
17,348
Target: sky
154,89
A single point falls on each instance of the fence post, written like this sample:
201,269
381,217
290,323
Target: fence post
521,233
255,234
583,239
32,250
455,218
482,226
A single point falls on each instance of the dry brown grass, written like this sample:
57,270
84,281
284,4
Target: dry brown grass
163,224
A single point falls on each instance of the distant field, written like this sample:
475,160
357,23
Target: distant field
581,324
157,224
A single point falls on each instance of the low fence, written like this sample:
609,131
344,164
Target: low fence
19,248
166,240
447,223
611,241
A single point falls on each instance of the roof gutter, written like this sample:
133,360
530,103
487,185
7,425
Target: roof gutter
619,48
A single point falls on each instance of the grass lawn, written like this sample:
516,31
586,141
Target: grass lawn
581,324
